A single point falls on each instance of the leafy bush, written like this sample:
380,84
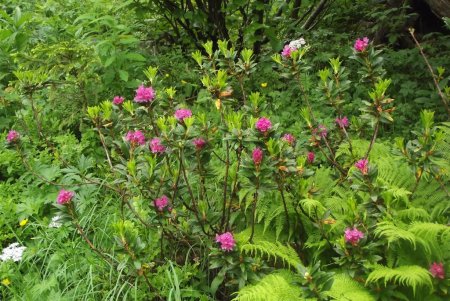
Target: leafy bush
226,177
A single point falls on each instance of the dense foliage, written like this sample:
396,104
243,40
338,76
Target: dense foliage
273,155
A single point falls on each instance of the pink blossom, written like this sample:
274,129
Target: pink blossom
226,240
289,138
363,166
257,156
156,146
353,236
361,44
342,122
437,270
321,130
118,100
13,136
144,94
310,157
181,114
64,196
199,143
135,137
161,203
263,125
287,51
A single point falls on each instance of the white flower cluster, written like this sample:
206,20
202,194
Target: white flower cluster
13,251
56,222
297,44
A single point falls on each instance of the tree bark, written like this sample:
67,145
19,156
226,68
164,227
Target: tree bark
315,14
440,8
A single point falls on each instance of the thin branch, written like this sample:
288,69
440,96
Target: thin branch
443,98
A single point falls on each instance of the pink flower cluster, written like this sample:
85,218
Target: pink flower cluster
287,51
288,138
161,203
118,100
361,44
363,166
321,130
353,236
199,143
310,157
263,125
226,240
144,94
13,136
342,122
64,196
257,156
135,138
156,146
437,270
181,114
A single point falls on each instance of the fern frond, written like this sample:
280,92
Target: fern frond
346,289
275,251
395,173
437,237
429,194
412,276
274,287
430,231
265,245
393,233
413,214
312,205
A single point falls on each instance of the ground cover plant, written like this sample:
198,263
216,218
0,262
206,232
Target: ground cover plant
226,169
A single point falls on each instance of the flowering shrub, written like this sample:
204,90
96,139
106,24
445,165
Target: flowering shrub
222,204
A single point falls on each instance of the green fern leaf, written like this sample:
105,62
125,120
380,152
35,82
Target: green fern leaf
412,276
263,246
393,233
312,205
274,287
346,289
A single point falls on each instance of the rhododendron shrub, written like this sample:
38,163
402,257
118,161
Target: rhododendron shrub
222,193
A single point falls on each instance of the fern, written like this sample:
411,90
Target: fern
393,233
430,231
413,214
395,173
274,287
312,205
429,194
436,235
346,289
412,276
263,247
360,147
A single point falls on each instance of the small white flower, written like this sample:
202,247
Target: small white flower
13,251
56,222
297,44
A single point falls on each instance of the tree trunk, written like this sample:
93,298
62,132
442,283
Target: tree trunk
315,14
440,8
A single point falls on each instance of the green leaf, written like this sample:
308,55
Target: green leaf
123,75
133,56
